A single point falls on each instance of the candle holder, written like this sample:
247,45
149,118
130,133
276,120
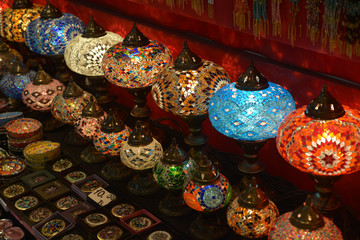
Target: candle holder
140,153
323,140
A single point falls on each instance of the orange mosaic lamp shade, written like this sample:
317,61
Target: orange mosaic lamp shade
327,147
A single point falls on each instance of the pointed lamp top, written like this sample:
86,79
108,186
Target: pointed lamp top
19,68
92,109
253,196
307,217
72,90
50,11
187,60
41,77
251,80
135,38
112,124
141,136
93,30
174,154
324,107
19,4
205,172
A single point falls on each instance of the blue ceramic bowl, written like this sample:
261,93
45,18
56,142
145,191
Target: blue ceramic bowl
8,116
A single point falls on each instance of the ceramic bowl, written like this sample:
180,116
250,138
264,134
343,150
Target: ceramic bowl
23,144
8,116
23,128
42,151
11,166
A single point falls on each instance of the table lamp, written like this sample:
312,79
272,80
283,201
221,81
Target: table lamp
185,89
305,222
323,140
206,192
49,35
171,173
250,111
140,153
8,56
87,125
252,214
109,140
134,64
84,55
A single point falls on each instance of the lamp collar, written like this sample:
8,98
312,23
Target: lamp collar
187,60
93,30
253,196
41,77
92,109
252,80
72,90
174,154
50,11
112,124
141,136
135,38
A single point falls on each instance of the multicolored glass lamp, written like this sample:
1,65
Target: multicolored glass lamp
250,111
185,89
252,214
304,223
84,55
51,33
206,192
87,125
171,173
134,65
8,57
322,139
111,137
140,153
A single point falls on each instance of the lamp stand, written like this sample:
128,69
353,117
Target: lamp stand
208,226
74,139
143,183
250,163
173,204
115,169
91,155
140,110
324,199
63,73
98,86
196,138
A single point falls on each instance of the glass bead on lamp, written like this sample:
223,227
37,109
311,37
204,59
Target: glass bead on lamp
206,192
140,153
8,57
51,33
185,89
250,111
87,125
304,223
84,55
171,173
109,140
134,64
323,140
252,214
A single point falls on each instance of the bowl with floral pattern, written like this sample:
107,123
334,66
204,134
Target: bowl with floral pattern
23,128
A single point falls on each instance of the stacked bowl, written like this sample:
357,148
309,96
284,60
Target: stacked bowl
6,117
38,153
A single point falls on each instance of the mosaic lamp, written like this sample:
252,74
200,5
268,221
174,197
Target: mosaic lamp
252,214
323,140
134,64
250,111
84,55
8,57
109,140
185,89
140,153
87,125
49,35
171,173
304,223
206,192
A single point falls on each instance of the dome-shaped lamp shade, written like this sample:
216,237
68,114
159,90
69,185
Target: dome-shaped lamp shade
39,94
250,115
12,84
321,147
111,136
8,57
135,65
174,168
188,90
67,107
252,214
14,20
142,151
84,53
50,35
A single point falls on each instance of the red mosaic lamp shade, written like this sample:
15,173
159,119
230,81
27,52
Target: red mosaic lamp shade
322,138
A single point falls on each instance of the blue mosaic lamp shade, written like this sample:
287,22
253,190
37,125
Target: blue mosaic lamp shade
51,36
250,115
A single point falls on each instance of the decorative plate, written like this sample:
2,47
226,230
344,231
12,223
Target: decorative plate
110,233
23,127
26,202
159,235
91,185
11,166
53,227
72,236
61,165
66,202
3,153
122,210
5,223
13,190
95,219
140,223
75,176
40,214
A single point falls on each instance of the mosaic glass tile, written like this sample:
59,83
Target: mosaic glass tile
111,143
12,85
88,126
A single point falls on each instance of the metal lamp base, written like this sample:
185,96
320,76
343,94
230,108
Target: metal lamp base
115,169
208,227
174,205
324,199
74,139
250,163
142,184
91,155
140,110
